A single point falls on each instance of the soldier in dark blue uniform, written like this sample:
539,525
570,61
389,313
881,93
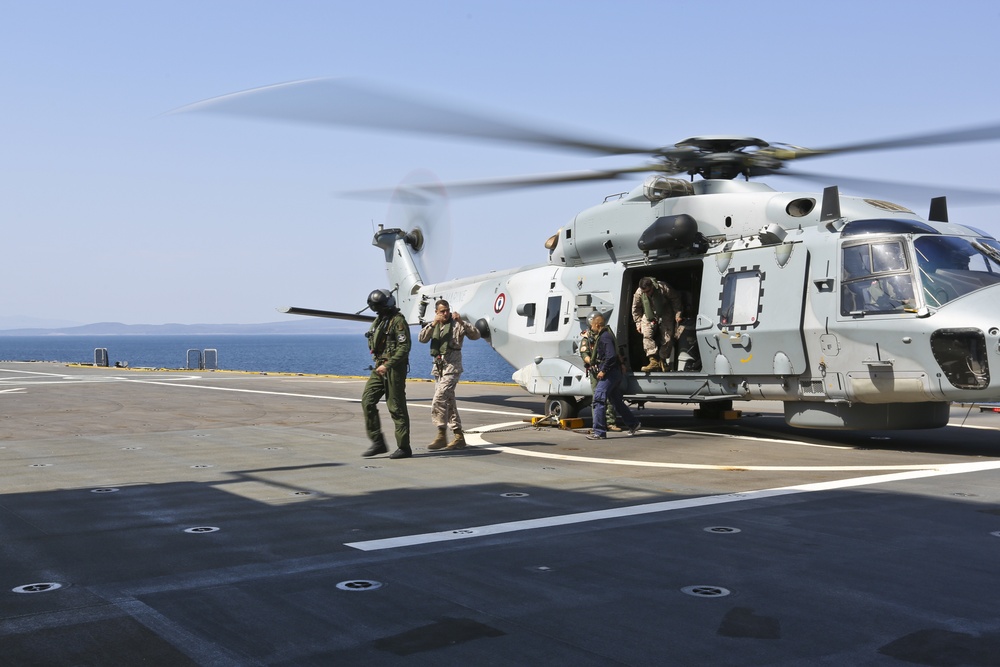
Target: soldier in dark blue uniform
588,343
609,377
389,342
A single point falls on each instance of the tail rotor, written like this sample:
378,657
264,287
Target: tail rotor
419,206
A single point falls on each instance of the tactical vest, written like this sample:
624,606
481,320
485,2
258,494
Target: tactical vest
654,306
440,339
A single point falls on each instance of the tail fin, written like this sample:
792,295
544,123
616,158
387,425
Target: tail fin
404,277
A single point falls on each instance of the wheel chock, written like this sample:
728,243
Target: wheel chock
565,424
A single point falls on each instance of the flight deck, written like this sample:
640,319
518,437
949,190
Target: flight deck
220,518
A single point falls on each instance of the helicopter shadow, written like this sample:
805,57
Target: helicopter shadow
525,402
953,440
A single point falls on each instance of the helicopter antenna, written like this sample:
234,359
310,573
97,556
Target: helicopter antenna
939,210
831,205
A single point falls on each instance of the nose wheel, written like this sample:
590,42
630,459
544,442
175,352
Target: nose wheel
561,407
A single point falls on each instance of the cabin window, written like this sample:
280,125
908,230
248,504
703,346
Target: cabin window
552,313
740,299
876,278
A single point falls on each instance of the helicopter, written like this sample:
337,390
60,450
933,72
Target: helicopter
855,313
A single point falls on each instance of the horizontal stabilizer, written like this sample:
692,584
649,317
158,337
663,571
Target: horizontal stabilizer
312,312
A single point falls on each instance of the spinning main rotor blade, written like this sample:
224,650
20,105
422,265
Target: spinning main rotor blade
982,133
895,189
485,187
958,195
353,103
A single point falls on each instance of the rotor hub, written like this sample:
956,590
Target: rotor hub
719,156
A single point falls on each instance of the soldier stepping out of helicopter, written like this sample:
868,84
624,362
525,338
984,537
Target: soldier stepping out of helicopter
656,310
389,343
588,345
445,334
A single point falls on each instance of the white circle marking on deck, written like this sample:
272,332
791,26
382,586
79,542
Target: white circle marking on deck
477,439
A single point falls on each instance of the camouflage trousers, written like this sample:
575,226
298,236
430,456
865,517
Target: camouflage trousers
657,338
443,408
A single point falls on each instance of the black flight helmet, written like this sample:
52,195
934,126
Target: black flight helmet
381,301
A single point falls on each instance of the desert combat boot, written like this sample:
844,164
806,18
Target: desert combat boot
457,443
440,442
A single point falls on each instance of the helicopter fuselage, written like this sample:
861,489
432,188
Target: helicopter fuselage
856,313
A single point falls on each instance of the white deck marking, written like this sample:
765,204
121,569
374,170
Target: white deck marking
311,381
36,377
667,506
475,439
737,436
28,373
325,398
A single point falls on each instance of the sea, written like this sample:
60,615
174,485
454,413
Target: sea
325,354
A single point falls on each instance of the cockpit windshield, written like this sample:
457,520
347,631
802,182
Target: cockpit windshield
949,267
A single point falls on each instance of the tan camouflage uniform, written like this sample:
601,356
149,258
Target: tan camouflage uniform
658,331
447,370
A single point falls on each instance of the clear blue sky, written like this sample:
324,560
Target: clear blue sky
112,211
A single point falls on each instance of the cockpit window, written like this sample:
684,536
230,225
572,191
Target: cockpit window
857,262
888,257
950,266
876,278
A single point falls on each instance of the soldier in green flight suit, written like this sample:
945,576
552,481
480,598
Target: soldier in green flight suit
389,342
588,347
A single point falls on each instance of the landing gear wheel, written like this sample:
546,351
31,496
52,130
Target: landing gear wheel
561,407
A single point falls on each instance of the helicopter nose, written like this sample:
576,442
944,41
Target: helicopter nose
961,354
967,339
